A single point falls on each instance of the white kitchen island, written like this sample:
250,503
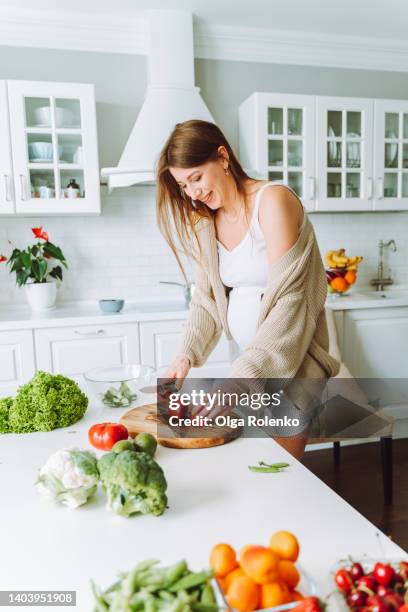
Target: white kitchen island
213,497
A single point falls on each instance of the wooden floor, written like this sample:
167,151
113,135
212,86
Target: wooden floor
358,480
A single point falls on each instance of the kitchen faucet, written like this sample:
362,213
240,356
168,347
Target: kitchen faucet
187,286
380,281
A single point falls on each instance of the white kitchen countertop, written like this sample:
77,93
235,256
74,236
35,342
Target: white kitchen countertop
88,312
213,498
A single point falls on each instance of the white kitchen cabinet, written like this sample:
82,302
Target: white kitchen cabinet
374,342
6,169
277,140
159,343
391,155
74,350
54,148
344,153
339,154
17,362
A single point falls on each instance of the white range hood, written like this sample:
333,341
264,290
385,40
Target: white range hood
171,98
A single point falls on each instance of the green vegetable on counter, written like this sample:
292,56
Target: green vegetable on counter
69,476
158,589
47,402
268,468
116,397
134,483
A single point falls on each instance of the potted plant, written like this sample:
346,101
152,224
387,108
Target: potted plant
34,269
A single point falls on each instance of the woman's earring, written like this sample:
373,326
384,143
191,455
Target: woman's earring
226,171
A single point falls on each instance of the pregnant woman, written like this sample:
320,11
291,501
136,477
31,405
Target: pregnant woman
260,276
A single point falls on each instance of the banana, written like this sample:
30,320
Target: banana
340,259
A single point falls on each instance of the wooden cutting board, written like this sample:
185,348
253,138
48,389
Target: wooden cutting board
145,419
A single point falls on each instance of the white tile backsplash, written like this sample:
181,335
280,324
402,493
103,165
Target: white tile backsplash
122,254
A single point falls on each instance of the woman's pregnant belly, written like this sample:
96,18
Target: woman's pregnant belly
243,312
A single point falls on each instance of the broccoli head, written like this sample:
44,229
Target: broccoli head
5,405
134,483
47,402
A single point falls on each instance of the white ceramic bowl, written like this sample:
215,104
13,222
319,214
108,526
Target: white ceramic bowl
63,116
40,150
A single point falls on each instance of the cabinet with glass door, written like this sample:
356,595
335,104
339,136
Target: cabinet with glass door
277,140
54,148
6,170
391,155
344,154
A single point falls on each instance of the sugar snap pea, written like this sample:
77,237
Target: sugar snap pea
191,580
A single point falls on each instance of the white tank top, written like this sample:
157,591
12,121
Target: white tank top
245,270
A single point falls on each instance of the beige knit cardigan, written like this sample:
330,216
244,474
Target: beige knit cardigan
291,338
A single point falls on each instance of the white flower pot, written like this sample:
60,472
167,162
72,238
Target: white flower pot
41,296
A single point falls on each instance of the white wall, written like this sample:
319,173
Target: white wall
122,253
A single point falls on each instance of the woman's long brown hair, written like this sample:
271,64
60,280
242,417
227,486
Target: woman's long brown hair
191,144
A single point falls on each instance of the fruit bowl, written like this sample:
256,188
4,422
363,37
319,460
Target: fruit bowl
339,280
392,575
307,586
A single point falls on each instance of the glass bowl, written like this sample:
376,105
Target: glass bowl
340,281
118,386
337,597
306,586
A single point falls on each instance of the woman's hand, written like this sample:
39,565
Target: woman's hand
178,369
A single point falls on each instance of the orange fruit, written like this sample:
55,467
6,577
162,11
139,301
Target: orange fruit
245,548
260,564
274,594
243,594
350,276
296,596
285,544
288,573
222,560
229,578
339,284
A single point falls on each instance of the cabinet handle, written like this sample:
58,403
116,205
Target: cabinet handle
312,188
370,188
98,332
7,187
380,188
23,187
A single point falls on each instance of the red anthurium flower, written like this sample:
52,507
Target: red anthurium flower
2,258
38,233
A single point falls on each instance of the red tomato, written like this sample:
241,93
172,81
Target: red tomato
104,435
343,580
309,604
383,573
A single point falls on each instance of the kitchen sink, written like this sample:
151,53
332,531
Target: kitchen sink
393,294
159,307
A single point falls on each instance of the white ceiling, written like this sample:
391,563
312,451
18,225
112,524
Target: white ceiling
363,18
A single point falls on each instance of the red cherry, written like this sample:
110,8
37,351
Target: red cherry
403,567
382,590
376,604
384,574
357,599
356,571
343,580
368,582
394,601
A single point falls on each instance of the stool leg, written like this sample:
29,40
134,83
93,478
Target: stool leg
386,460
336,453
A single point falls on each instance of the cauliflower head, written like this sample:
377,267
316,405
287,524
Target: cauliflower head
47,402
69,476
134,483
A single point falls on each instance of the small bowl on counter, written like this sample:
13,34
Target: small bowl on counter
118,386
111,305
